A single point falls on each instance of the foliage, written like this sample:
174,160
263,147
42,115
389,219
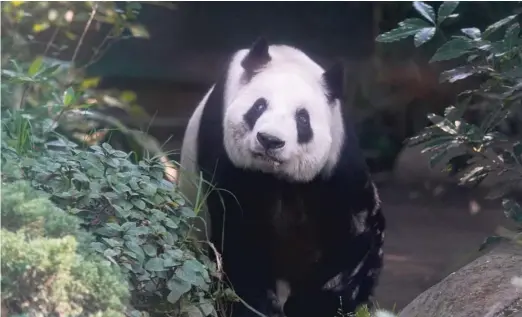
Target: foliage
476,148
45,269
140,221
85,113
134,219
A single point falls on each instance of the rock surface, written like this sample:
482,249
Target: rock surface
482,288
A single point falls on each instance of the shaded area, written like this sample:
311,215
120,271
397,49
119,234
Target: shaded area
429,237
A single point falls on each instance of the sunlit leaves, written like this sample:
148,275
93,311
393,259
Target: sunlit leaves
423,36
36,65
445,10
497,25
425,10
68,96
406,28
473,33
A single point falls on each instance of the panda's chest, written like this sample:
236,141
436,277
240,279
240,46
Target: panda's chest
296,234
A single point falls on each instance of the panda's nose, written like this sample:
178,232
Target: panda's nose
270,142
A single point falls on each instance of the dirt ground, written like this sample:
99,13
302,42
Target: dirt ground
430,234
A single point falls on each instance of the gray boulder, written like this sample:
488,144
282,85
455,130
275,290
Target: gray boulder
483,288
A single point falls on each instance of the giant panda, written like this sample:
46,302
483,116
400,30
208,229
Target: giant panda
293,211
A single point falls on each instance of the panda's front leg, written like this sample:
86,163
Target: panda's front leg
248,271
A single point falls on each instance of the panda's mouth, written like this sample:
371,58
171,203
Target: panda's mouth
267,157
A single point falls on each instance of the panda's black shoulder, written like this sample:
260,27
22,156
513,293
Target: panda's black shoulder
210,132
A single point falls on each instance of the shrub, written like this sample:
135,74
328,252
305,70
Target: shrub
134,220
479,136
45,270
139,220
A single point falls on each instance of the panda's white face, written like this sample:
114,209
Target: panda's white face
281,121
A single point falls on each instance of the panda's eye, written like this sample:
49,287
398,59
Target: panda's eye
260,105
255,112
303,117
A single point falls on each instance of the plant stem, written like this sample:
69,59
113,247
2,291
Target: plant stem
87,26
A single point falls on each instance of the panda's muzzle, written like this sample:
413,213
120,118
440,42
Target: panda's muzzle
269,142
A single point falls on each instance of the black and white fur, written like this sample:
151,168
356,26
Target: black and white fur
302,230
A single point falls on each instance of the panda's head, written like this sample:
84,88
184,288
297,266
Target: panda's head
282,113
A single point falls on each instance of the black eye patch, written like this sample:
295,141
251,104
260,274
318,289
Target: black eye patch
255,112
304,129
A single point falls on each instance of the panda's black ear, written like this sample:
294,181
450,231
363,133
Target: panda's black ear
257,57
334,79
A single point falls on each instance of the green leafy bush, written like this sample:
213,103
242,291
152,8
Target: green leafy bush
45,270
141,222
135,221
479,136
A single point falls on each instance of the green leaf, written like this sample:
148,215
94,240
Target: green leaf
120,187
445,10
406,28
150,250
140,204
170,223
474,175
452,49
113,226
497,25
188,212
207,308
459,73
112,242
194,311
154,264
425,10
81,177
98,246
511,38
107,147
175,254
191,272
134,247
437,157
139,31
49,71
177,284
149,189
68,96
472,33
443,123
169,262
39,27
423,36
36,65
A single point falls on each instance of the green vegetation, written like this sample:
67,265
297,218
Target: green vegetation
47,267
109,234
479,136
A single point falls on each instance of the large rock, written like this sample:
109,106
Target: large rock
483,288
